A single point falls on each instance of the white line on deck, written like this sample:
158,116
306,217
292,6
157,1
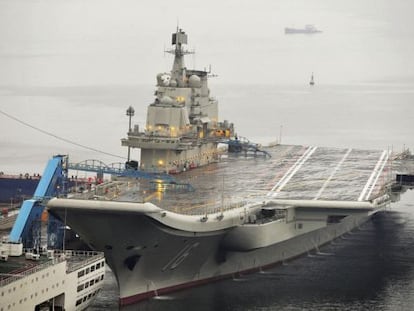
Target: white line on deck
374,172
378,175
292,171
325,184
289,170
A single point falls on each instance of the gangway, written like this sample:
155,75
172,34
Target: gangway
52,183
120,169
243,145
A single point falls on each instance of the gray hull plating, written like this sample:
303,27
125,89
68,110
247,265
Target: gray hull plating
149,258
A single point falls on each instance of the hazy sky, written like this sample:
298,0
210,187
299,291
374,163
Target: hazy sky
92,42
115,45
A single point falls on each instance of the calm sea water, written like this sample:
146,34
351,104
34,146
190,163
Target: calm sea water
373,116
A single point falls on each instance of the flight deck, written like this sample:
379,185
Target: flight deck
292,172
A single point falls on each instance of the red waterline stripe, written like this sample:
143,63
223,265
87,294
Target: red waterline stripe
143,296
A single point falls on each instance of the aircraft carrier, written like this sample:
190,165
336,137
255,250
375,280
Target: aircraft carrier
203,204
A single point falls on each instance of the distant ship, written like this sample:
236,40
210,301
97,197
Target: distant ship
312,81
242,213
15,188
308,29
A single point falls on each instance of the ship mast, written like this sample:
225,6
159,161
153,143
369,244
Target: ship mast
178,70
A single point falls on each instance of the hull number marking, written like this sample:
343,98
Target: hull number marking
179,258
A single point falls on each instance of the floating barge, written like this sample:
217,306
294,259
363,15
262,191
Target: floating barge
55,280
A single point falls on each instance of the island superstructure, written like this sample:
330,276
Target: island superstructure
243,212
182,128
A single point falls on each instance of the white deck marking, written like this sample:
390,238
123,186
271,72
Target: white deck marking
378,175
292,171
374,172
288,171
325,184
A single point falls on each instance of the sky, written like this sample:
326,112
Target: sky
107,42
72,67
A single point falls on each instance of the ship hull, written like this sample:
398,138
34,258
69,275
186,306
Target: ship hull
149,258
15,189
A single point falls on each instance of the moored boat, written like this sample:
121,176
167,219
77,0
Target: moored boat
52,280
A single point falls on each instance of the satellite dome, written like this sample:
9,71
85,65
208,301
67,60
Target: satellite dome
166,100
159,80
163,79
173,82
194,81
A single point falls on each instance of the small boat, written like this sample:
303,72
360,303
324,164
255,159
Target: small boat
312,81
